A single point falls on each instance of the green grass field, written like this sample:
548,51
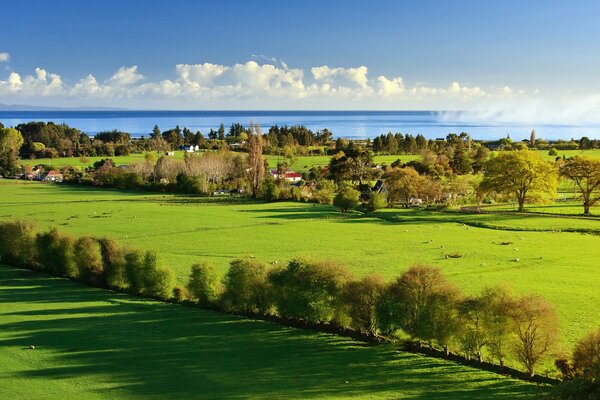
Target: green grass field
96,344
301,164
561,266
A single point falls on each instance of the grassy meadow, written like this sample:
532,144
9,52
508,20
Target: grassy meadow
96,344
301,164
555,257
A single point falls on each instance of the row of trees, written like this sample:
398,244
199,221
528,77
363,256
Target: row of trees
96,262
421,303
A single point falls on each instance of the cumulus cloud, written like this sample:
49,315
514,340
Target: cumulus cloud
259,84
390,87
4,57
340,76
125,76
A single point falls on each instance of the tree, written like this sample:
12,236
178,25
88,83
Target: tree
522,174
57,253
485,323
310,290
221,132
362,298
352,163
11,141
256,161
346,199
402,184
586,357
535,324
585,174
376,201
203,283
424,304
155,132
18,244
88,258
246,288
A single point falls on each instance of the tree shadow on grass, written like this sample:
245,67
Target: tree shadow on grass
159,350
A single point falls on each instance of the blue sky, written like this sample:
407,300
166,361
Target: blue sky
430,54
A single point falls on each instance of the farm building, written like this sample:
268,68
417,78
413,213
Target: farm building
52,176
289,176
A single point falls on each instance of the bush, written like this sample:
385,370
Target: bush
159,281
18,244
376,201
203,283
134,271
361,298
552,152
88,258
310,290
57,254
246,288
114,264
346,199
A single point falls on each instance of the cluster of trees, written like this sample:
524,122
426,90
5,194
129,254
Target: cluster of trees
50,140
523,176
421,303
96,262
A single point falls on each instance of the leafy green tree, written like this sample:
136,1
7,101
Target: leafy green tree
134,271
402,184
246,288
425,304
585,174
376,201
362,298
521,174
159,280
347,199
351,163
88,258
11,141
18,244
203,284
114,263
310,290
57,254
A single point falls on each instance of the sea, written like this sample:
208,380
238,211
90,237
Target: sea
345,124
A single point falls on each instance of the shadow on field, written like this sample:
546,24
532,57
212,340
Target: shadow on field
159,350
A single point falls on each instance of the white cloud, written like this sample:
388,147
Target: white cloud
390,87
252,85
125,76
340,76
4,57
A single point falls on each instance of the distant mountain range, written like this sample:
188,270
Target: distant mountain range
23,107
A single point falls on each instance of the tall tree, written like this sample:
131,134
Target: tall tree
521,174
585,174
536,327
256,161
11,141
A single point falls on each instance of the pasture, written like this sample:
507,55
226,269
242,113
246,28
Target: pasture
301,163
97,344
554,257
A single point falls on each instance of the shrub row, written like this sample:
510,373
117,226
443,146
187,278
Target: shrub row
420,303
97,262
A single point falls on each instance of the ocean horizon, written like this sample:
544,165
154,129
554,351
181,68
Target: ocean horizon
343,123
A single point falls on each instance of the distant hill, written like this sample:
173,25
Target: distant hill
23,107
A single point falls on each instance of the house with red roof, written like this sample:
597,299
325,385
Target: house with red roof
289,176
